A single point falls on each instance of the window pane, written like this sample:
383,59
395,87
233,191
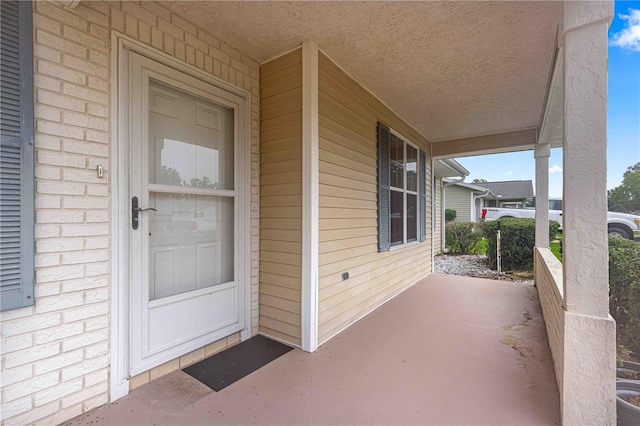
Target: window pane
412,169
190,243
397,218
397,162
191,140
412,217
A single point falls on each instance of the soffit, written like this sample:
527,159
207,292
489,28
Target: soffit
450,69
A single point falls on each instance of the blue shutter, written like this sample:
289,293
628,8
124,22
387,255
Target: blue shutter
16,155
384,207
422,187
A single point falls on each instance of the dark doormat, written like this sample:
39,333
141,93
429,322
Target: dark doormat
227,367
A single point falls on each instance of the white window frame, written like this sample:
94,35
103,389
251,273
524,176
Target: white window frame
405,191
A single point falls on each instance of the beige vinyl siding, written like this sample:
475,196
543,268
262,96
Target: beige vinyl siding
281,197
437,233
459,199
348,240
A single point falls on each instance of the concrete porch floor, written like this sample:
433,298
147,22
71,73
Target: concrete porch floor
449,350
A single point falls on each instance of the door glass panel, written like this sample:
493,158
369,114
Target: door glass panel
190,243
191,237
191,140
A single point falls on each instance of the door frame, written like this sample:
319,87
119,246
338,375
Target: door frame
119,174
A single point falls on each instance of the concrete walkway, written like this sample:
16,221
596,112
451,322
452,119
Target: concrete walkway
450,350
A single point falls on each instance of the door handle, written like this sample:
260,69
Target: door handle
135,209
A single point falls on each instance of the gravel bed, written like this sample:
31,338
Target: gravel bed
472,266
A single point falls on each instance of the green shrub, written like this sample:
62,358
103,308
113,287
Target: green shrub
624,291
463,237
450,214
517,239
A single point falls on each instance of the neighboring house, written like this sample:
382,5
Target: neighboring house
443,171
177,177
466,199
512,193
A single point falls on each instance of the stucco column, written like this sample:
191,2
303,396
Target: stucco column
541,153
588,390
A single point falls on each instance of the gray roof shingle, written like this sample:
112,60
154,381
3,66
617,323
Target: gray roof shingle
510,188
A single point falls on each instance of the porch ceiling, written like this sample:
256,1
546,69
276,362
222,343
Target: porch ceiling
451,69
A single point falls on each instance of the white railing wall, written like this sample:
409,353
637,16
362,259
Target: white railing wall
548,277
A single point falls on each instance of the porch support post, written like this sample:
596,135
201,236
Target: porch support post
588,382
310,197
541,153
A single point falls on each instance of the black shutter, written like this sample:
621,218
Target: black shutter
384,208
422,187
16,155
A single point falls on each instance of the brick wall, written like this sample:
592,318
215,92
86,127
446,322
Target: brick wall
55,355
548,273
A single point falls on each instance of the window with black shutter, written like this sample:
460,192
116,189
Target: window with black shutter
401,191
16,155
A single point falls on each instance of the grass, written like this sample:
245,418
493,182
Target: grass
555,249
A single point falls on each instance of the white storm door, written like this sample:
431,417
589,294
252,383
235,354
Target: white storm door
184,247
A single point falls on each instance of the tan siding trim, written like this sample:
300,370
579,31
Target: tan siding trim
347,243
292,247
281,86
294,71
280,280
340,213
334,170
348,205
281,189
267,134
283,108
278,223
346,193
282,62
281,201
359,202
281,197
280,235
341,234
284,97
273,146
279,303
328,224
281,155
278,178
341,161
343,136
382,112
345,182
275,324
281,292
284,120
277,167
280,314
350,153
333,284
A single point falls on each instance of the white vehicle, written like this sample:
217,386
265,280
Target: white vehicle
619,224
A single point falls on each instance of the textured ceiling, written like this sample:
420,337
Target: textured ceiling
451,69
